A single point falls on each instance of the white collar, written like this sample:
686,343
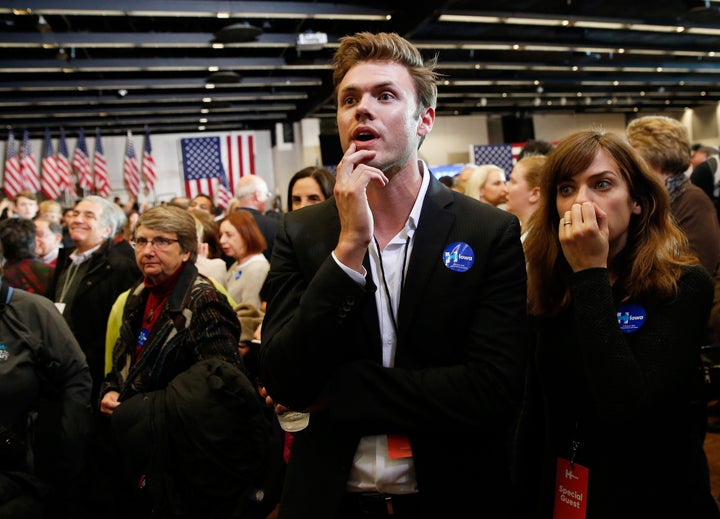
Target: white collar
81,257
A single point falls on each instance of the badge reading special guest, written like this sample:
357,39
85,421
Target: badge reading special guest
571,484
458,256
630,317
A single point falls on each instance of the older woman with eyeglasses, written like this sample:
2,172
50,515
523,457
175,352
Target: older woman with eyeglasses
179,332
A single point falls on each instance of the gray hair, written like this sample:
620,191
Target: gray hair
249,185
168,218
119,218
107,217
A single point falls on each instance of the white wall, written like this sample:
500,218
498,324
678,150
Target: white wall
702,123
555,127
451,138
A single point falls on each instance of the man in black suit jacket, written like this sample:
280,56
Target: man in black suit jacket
396,316
252,195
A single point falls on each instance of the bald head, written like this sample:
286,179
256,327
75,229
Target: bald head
252,191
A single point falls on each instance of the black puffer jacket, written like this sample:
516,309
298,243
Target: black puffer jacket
200,445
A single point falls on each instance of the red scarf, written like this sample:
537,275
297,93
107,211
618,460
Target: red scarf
159,294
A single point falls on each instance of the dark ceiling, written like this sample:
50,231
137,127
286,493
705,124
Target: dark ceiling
123,64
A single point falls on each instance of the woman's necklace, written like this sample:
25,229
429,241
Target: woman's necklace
150,316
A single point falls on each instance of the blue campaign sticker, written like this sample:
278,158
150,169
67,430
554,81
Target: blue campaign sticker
143,337
458,256
630,317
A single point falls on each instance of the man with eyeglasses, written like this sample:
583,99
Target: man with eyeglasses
252,195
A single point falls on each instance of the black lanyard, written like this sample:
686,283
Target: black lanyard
402,283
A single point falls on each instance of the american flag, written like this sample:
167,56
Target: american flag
224,193
50,174
12,181
102,183
28,166
67,179
501,155
81,163
205,157
131,173
148,164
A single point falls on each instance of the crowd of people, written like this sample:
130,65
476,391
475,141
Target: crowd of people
525,344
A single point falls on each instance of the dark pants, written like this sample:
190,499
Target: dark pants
373,505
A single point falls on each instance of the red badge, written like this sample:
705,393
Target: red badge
398,446
571,484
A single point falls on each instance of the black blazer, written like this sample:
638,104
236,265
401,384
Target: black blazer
461,353
110,272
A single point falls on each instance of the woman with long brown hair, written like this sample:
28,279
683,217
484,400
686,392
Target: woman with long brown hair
621,308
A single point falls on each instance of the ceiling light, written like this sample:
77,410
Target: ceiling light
43,25
223,77
594,24
469,18
237,33
311,41
532,21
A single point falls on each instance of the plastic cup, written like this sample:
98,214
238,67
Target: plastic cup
293,421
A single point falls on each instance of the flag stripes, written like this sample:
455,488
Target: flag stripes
81,163
12,180
102,182
57,173
202,162
50,173
206,159
131,173
149,172
67,179
240,157
28,166
224,194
